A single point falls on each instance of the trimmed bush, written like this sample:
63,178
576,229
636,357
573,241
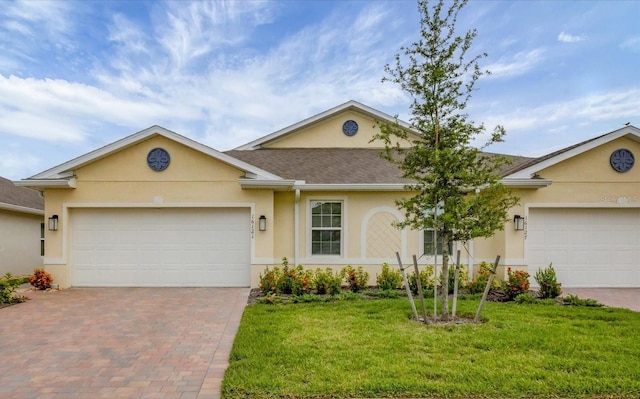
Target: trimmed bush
356,279
517,283
389,279
327,282
426,278
41,279
548,282
479,282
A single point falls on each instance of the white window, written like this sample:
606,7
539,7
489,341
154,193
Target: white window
326,227
429,247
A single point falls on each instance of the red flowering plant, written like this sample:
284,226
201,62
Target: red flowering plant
356,279
517,283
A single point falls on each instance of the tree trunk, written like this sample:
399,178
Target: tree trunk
445,276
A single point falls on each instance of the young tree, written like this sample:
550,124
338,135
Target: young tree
456,190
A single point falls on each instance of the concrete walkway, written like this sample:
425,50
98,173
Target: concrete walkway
628,298
119,343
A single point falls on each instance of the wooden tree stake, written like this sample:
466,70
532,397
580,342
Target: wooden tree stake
486,290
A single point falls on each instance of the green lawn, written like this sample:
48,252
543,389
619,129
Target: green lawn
371,349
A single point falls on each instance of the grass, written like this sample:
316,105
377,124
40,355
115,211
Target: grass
371,349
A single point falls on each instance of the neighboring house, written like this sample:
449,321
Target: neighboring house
21,229
159,209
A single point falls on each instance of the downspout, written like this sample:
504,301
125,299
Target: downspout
296,227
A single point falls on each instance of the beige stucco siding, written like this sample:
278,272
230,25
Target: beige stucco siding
123,179
328,134
583,181
19,243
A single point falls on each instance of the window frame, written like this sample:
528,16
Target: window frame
42,228
310,228
423,235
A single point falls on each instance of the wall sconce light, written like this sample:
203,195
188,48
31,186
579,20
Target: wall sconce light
53,223
262,223
518,223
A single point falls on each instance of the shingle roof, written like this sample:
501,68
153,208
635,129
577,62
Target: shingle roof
332,165
20,196
324,165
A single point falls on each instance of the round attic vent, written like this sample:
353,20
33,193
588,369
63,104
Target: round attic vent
622,160
158,159
350,128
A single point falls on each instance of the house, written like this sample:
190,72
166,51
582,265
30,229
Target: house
159,209
21,229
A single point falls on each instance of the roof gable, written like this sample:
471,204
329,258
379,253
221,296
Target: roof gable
65,170
324,130
529,169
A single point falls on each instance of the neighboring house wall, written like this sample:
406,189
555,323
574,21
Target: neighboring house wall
19,243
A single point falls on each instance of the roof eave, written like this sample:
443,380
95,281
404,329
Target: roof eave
263,184
21,209
352,187
526,183
47,183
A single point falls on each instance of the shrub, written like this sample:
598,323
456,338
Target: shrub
269,280
286,280
8,286
517,283
41,279
426,278
478,284
548,282
573,300
526,298
356,279
327,282
389,279
463,277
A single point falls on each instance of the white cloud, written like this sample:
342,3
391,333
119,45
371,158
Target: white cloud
516,64
568,38
13,164
613,108
632,43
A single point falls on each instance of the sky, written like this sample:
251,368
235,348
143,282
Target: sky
78,75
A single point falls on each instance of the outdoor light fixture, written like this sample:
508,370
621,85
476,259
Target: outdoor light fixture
262,223
53,223
518,223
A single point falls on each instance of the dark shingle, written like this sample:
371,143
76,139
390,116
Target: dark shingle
20,196
332,165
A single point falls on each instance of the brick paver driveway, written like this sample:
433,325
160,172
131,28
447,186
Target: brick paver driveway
119,342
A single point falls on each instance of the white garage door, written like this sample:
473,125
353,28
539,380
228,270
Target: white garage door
588,247
169,247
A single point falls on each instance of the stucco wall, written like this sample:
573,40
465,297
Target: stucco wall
123,179
19,243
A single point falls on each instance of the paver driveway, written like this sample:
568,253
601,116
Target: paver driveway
119,342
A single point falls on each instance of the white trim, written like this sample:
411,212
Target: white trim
351,187
54,261
344,233
349,105
276,185
631,131
365,224
526,182
47,183
21,209
65,168
579,205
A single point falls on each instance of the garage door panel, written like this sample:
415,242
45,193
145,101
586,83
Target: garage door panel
160,247
588,247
